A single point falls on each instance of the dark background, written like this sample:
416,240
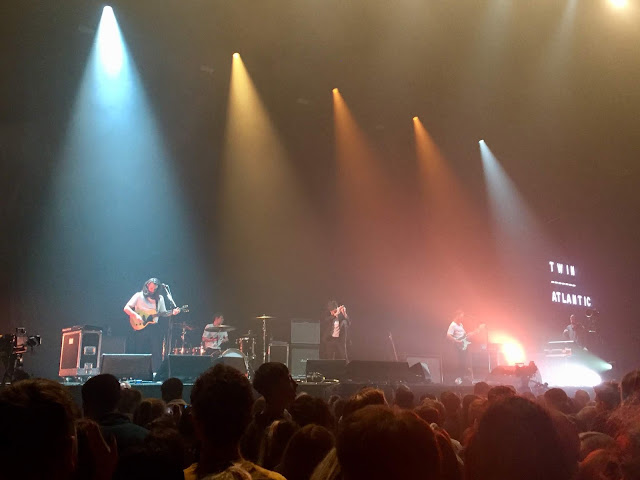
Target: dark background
552,90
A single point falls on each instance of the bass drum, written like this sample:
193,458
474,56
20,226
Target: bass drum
236,359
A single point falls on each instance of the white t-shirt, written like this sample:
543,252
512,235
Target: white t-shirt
456,330
144,306
214,339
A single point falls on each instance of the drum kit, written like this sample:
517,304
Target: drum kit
245,343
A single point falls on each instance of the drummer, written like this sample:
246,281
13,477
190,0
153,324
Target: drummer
212,340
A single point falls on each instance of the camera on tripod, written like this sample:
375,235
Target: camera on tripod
12,347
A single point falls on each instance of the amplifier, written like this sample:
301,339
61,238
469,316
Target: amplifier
278,352
80,351
300,353
305,331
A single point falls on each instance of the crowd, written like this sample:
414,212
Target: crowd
232,429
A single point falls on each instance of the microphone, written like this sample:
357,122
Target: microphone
164,285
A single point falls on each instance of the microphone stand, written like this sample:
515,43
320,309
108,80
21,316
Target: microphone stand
168,338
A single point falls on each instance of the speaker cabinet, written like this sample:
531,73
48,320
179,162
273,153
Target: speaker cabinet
185,367
433,364
305,331
80,351
128,366
378,372
300,354
278,352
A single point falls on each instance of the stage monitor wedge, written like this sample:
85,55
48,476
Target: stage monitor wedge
128,366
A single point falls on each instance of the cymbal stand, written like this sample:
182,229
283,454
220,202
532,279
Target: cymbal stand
264,339
182,335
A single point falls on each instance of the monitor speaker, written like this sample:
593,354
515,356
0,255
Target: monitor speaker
185,367
420,372
433,364
378,372
128,366
299,355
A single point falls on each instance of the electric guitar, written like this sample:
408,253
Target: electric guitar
464,341
138,325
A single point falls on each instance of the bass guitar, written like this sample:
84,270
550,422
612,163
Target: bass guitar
138,325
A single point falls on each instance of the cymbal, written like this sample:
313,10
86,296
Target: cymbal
219,328
265,317
183,325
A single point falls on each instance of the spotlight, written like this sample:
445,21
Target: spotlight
415,119
481,142
236,55
619,3
335,90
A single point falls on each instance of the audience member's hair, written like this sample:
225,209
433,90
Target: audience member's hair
171,389
337,409
328,468
601,465
221,399
234,472
377,442
404,397
466,402
429,396
630,386
268,376
442,413
580,400
130,398
274,443
168,440
607,395
100,395
481,389
306,410
500,392
428,413
592,441
451,402
366,396
558,399
451,467
516,438
258,406
305,451
476,409
38,440
149,410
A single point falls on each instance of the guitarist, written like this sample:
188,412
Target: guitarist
143,309
458,336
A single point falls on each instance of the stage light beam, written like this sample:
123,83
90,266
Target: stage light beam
110,47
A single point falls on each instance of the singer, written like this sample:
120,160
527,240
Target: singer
144,310
334,332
